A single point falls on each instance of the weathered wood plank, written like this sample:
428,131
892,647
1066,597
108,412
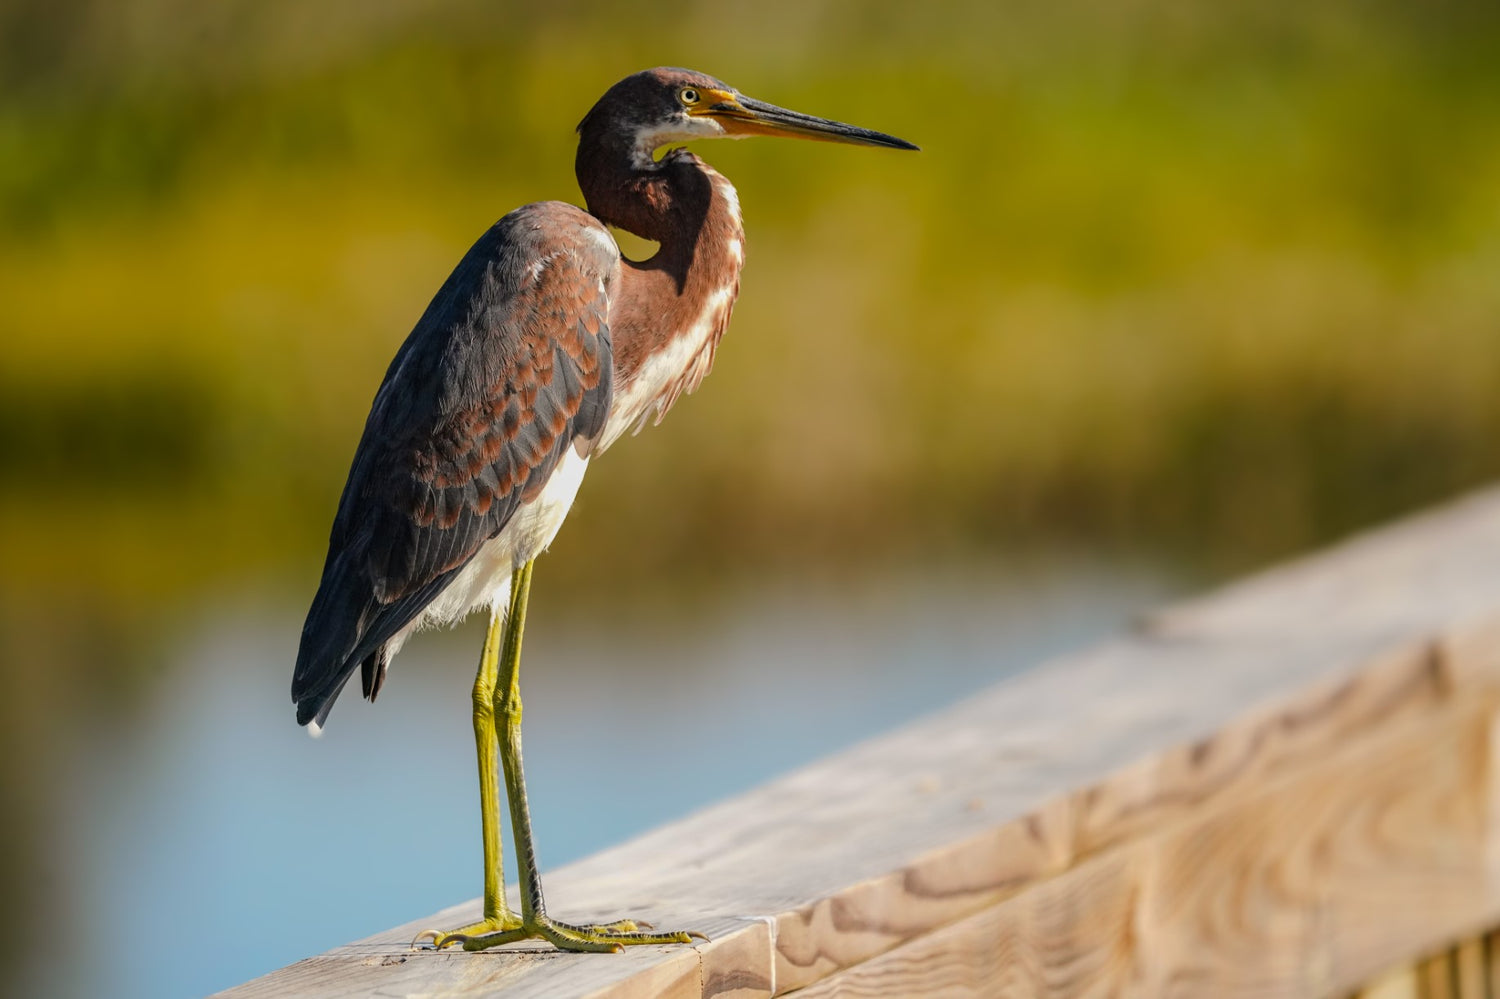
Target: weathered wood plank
1076,831
1492,965
1302,887
1400,984
1469,969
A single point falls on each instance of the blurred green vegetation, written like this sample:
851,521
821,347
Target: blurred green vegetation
1217,281
1205,279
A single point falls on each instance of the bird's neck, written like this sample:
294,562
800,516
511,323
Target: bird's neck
668,202
669,312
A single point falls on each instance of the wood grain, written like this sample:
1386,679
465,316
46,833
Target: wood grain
1303,887
1281,788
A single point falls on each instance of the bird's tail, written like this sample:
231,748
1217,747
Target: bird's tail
326,657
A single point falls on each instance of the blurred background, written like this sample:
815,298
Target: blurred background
1173,290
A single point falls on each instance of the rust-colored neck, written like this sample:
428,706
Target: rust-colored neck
668,312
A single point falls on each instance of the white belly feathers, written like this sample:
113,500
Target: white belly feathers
485,581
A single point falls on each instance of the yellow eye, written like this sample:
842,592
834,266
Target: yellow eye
688,96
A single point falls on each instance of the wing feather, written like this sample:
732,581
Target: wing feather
508,368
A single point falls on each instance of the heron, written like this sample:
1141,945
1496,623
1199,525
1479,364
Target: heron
538,352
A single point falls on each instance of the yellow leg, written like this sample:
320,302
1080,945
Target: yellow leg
497,914
535,922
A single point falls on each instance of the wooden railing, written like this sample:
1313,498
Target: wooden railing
1469,970
1286,787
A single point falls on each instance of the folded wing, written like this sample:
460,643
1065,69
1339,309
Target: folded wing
507,369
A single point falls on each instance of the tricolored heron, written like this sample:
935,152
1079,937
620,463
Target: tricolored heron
538,352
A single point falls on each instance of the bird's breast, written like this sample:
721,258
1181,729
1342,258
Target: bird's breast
667,329
675,368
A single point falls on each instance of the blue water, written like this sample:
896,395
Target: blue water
211,828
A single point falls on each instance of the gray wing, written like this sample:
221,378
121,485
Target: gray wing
508,368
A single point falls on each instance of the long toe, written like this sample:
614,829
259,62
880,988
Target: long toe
438,939
618,926
613,936
593,938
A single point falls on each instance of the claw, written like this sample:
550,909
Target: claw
437,938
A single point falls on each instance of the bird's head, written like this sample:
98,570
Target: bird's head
657,107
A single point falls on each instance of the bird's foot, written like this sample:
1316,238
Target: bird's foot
438,939
586,937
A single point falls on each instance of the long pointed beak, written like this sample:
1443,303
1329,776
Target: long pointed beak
745,116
